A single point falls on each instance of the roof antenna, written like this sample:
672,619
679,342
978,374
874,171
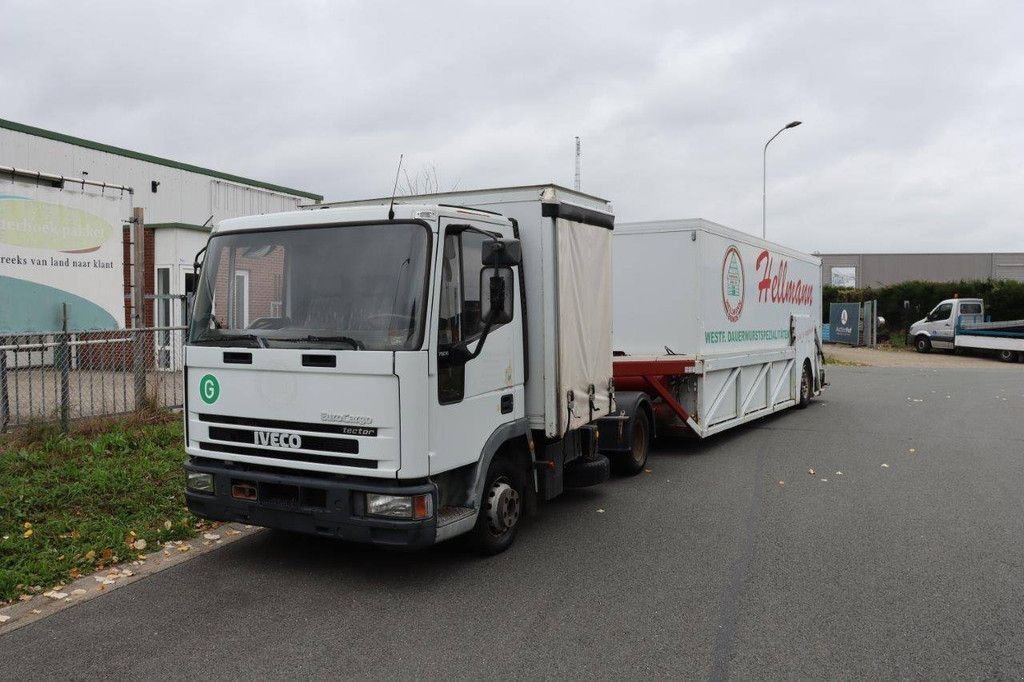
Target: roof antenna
391,208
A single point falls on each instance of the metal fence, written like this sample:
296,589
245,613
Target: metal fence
60,376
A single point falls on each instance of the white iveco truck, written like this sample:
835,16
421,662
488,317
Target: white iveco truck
401,374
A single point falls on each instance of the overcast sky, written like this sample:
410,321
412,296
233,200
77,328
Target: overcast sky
913,112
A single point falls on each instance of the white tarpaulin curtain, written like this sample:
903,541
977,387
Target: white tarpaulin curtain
584,320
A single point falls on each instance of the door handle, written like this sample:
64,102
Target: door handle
507,402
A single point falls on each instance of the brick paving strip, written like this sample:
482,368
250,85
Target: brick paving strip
114,577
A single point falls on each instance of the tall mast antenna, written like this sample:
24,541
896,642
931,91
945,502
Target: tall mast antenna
576,184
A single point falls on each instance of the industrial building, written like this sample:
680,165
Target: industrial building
883,269
64,202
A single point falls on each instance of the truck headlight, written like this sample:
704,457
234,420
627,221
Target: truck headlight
199,482
399,506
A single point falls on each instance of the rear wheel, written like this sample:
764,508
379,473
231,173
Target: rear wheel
501,508
806,387
1008,356
634,461
922,344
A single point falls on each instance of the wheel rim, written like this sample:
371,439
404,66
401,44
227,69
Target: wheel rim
639,452
805,386
503,506
922,344
1006,355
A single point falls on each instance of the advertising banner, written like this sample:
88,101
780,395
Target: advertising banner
844,323
61,245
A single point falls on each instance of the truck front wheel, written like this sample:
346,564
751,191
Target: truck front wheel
501,508
922,344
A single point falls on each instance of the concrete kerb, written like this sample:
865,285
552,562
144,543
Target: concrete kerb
104,582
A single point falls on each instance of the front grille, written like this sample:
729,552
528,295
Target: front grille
340,429
345,445
289,455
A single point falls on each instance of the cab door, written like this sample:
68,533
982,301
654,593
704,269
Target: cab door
941,325
471,398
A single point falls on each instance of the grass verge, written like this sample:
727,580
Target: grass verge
73,504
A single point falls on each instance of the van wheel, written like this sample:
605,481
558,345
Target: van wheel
633,462
806,387
922,344
501,508
1008,356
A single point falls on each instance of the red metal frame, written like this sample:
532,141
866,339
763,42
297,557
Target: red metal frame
650,374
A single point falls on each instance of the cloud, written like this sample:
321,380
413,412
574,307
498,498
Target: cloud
911,137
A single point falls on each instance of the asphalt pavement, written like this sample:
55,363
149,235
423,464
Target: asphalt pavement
728,560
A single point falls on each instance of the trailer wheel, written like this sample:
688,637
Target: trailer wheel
633,462
922,344
501,508
806,387
1008,356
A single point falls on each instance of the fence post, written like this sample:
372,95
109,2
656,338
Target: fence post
63,360
138,304
5,400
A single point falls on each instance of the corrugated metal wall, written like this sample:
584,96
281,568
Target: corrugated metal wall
182,196
881,269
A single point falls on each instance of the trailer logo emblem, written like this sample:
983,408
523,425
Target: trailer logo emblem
733,284
209,389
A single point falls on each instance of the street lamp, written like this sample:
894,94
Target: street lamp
764,175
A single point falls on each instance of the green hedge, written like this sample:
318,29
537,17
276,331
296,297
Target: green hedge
1004,299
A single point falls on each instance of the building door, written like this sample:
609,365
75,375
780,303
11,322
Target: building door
164,307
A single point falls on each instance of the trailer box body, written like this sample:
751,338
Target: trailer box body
566,240
717,326
703,289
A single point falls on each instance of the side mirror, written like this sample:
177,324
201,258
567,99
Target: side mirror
497,305
197,263
501,253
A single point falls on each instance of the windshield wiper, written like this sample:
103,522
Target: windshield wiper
355,343
229,340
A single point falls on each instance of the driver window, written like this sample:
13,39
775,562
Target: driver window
460,306
942,312
459,319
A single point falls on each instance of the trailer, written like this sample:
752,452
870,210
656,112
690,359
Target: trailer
712,328
962,324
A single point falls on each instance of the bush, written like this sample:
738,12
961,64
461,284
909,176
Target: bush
1004,299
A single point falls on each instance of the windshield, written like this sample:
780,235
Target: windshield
350,287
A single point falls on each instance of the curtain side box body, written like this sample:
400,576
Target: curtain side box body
566,267
702,289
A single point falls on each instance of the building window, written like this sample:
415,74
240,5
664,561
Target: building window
844,276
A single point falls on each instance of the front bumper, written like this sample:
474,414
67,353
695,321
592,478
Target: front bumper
318,506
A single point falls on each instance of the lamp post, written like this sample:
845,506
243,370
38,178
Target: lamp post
764,176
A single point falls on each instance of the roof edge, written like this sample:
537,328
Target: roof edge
160,161
179,226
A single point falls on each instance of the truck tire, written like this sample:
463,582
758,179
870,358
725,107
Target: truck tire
1008,356
922,344
633,462
501,508
806,387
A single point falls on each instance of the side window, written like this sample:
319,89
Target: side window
460,317
970,309
472,245
942,312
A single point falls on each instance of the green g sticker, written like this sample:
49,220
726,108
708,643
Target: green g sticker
209,389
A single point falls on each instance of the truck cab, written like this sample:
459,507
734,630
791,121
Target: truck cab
361,372
938,328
